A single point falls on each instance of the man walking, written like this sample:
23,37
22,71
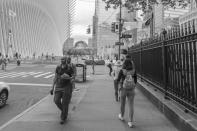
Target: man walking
71,65
116,70
63,88
93,65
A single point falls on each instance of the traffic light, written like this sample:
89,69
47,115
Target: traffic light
116,27
88,30
113,27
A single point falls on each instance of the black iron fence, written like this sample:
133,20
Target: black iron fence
170,61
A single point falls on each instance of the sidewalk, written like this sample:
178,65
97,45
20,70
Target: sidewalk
94,109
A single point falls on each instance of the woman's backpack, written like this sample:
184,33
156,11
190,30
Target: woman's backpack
109,65
128,82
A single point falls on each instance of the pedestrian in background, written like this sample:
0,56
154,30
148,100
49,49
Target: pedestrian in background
62,85
93,65
109,65
127,76
5,62
1,58
116,70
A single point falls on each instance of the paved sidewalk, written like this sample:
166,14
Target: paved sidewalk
94,110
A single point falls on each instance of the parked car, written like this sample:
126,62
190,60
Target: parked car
4,93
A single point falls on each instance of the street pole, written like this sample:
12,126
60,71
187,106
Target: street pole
120,29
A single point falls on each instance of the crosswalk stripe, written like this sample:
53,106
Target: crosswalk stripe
42,74
50,76
3,73
7,74
31,73
30,84
14,74
19,74
26,74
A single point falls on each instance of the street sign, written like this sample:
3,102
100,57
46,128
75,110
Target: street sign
119,43
126,36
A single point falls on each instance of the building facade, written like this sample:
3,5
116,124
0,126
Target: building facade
68,44
34,26
103,39
188,22
193,5
162,17
90,42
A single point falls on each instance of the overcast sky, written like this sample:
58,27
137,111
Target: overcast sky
84,12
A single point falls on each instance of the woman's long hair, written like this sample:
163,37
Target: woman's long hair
128,65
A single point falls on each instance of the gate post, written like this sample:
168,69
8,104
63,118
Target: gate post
141,59
164,63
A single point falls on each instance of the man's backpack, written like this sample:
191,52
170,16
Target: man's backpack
128,83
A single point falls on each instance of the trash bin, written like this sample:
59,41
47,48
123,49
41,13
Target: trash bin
80,73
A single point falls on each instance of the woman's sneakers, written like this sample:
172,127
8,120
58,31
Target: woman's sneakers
120,117
130,124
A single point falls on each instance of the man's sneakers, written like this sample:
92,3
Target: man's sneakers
130,124
62,122
116,99
120,117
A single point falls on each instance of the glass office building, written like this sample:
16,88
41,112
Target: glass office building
35,26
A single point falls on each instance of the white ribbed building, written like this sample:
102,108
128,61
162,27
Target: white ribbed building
35,26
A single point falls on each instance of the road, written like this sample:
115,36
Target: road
29,84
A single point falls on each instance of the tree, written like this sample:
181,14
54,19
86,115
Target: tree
133,5
79,52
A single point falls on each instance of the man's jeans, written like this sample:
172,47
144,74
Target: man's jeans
129,94
62,101
116,84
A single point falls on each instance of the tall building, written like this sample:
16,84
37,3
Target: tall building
104,39
95,32
35,26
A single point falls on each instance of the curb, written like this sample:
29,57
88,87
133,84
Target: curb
22,113
182,121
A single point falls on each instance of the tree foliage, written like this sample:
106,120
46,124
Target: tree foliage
142,4
79,52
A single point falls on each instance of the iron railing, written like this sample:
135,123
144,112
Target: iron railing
170,60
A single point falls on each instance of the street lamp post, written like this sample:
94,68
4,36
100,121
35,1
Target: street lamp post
164,62
120,29
9,45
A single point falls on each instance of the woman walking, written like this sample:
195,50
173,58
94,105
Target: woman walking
127,76
116,70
